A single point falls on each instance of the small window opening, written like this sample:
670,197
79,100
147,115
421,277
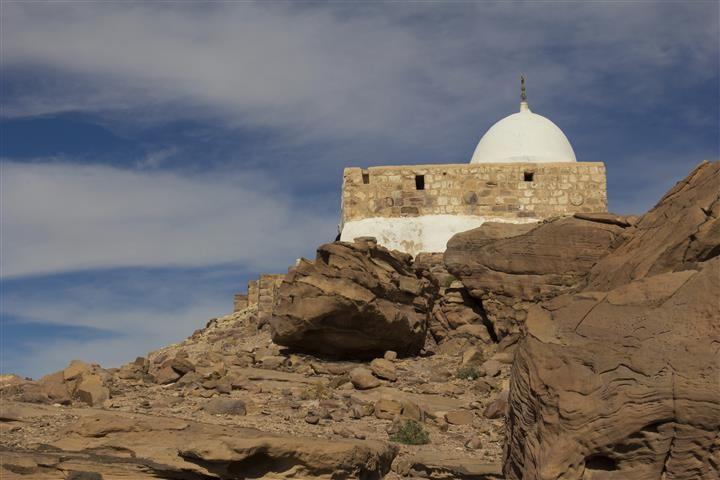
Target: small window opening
419,182
366,178
528,176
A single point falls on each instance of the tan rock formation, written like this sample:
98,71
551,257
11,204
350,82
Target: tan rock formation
509,267
622,379
353,300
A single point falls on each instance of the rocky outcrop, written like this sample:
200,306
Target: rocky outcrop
456,315
622,378
355,299
680,231
431,464
78,382
510,267
101,444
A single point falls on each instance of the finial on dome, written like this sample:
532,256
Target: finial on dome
523,95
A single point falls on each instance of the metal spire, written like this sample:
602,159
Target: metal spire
523,96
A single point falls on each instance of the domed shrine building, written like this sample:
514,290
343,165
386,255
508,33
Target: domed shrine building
523,170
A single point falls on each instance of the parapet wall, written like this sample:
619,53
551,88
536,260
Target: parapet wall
498,190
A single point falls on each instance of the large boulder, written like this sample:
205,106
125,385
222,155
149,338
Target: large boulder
509,267
622,379
355,299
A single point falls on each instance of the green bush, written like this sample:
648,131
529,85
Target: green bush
411,433
468,373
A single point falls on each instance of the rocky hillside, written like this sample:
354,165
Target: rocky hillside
230,403
584,347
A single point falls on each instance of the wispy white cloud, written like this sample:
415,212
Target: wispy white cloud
58,217
130,332
388,71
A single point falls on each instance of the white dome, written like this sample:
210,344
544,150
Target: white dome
523,137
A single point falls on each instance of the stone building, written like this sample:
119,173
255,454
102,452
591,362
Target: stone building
523,170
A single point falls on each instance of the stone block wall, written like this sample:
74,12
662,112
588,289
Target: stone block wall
262,293
240,302
267,293
505,190
253,293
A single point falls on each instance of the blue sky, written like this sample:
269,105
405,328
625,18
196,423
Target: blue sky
156,156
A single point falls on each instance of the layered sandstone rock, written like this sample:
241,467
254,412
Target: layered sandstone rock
622,379
355,299
101,444
680,231
510,267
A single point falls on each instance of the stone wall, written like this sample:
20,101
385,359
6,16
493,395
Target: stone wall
500,190
240,302
262,293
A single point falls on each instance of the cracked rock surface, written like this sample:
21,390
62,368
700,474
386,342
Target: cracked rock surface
621,378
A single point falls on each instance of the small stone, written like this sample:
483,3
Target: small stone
182,365
225,406
363,379
384,369
460,417
342,432
390,356
91,390
271,361
412,410
504,357
19,465
362,410
395,426
474,443
475,330
440,374
387,409
491,368
76,369
312,419
496,408
471,356
190,378
33,394
82,475
337,382
54,387
165,375
482,387
223,385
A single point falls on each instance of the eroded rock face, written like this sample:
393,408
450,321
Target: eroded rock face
622,379
682,229
355,299
510,267
625,381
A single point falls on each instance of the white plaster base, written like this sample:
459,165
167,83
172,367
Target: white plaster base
427,233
